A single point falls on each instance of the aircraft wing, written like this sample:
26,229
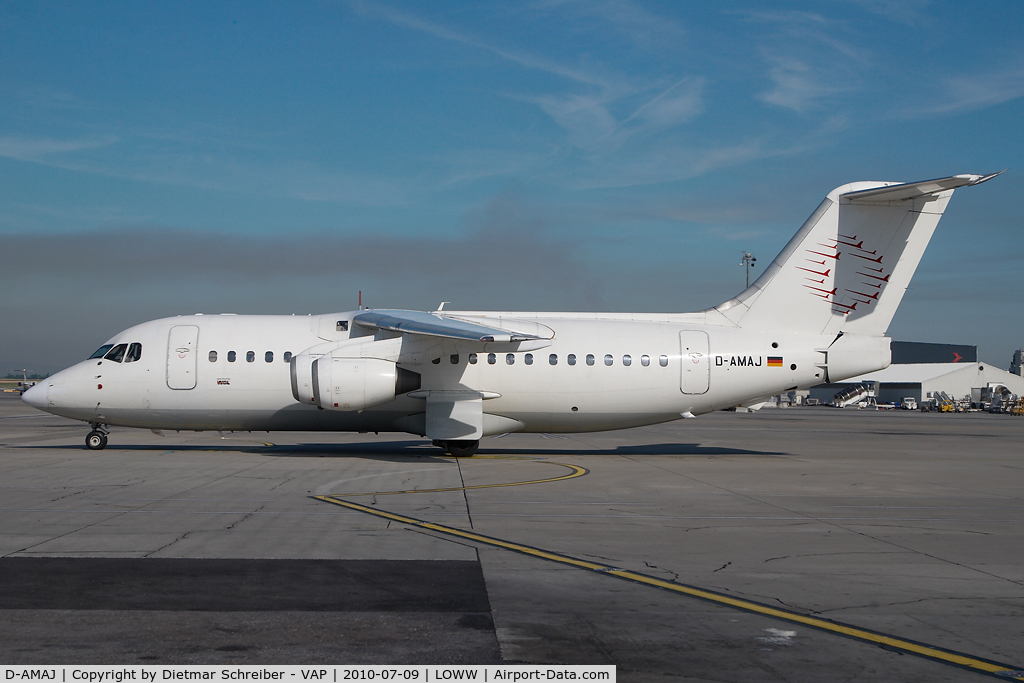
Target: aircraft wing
441,325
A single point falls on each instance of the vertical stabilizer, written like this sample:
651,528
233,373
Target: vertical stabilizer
847,268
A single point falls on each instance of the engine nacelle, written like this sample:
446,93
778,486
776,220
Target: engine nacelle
302,371
302,377
357,383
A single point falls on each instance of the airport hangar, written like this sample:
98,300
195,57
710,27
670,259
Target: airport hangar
922,370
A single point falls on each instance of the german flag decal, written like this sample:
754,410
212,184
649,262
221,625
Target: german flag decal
775,361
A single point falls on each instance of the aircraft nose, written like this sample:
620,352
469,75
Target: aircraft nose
37,396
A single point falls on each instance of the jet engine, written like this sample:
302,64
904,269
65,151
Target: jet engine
348,377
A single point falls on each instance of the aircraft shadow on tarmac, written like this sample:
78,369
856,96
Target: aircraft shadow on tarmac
420,450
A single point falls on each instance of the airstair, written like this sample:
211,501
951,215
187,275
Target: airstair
851,396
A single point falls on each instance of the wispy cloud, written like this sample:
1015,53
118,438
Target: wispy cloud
980,91
808,55
674,105
636,23
524,59
805,28
42,149
907,12
584,117
168,159
664,163
796,86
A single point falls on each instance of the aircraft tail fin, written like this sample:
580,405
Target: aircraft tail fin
847,268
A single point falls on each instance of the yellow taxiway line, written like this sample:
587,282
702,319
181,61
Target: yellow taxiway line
942,655
574,471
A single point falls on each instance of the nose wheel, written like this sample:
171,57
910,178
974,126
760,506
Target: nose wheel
96,440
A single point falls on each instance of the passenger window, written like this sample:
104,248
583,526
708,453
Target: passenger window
663,360
231,356
134,353
102,351
472,359
116,354
571,359
287,356
528,359
455,359
269,356
250,356
491,359
608,360
627,360
553,359
590,359
645,360
510,358
213,356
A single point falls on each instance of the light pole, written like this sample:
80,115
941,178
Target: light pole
748,260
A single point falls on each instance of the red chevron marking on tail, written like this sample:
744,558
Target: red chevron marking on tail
836,257
876,260
825,274
883,279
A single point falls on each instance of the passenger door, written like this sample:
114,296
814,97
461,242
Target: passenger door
182,344
695,376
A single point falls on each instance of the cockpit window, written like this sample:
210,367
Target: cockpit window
134,353
102,351
116,354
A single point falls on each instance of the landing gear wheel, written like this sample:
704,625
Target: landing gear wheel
462,449
96,441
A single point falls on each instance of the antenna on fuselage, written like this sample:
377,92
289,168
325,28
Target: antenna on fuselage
360,299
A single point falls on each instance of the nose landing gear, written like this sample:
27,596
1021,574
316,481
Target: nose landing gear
96,440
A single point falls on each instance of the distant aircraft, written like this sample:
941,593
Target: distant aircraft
817,314
26,383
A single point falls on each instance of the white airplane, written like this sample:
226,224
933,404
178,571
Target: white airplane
817,314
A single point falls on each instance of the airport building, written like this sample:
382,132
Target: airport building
921,371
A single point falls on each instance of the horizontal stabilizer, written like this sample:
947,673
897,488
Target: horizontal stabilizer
904,191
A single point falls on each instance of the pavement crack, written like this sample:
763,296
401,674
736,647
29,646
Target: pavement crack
244,518
674,575
71,495
168,545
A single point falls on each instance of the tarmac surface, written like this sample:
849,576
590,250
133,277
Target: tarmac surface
801,544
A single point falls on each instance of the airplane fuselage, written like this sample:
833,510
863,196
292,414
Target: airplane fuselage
599,371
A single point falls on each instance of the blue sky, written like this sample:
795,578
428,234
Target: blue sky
158,159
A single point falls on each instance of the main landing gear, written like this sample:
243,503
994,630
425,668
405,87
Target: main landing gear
459,449
96,440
